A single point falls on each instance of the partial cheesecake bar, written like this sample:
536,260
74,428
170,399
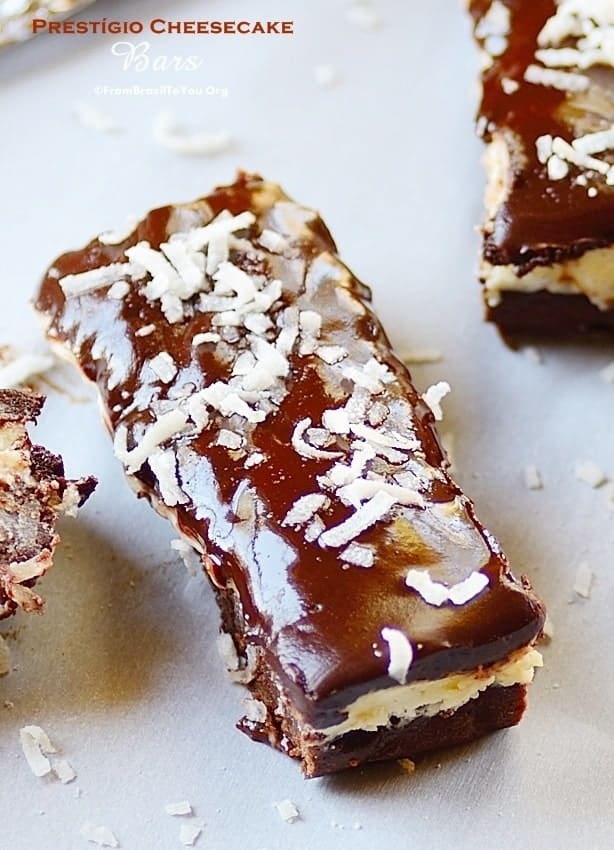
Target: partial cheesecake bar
547,117
255,401
33,494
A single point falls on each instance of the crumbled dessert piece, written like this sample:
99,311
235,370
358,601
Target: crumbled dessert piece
33,493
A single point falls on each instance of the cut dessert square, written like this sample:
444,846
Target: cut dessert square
33,493
364,605
547,116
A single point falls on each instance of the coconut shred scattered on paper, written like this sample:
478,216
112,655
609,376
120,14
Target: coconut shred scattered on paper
172,135
37,748
19,369
100,835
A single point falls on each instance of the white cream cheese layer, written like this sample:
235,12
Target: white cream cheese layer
591,275
426,698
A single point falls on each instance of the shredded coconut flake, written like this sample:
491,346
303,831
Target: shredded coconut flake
118,235
84,282
305,508
287,811
509,86
171,135
177,809
229,439
532,478
375,509
164,366
24,368
100,835
167,426
5,657
433,397
591,474
64,771
401,654
146,330
359,555
164,466
189,834
36,746
202,338
561,80
583,581
436,593
119,290
304,449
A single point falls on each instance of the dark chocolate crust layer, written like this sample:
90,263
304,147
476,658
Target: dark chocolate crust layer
496,708
300,399
545,314
33,492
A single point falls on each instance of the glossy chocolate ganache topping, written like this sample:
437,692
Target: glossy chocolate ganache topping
548,95
254,397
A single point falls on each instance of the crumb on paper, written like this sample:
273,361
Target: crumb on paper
5,658
287,811
173,136
532,478
325,75
36,747
95,119
100,835
583,581
421,355
407,765
590,473
189,833
183,807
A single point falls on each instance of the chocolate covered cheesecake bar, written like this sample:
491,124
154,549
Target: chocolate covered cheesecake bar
255,400
33,493
547,117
